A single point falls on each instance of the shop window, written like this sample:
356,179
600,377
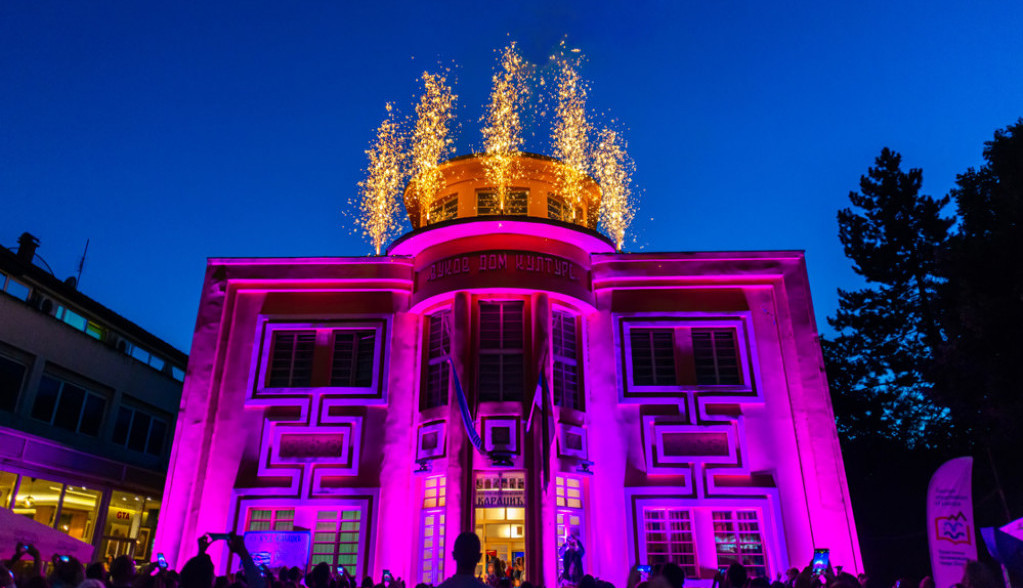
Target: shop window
566,364
8,483
432,531
291,363
140,431
438,371
70,509
337,539
443,209
353,358
68,406
12,376
131,521
501,353
668,534
653,357
716,357
738,539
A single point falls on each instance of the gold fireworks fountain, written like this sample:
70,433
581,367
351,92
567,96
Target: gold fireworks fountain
570,134
502,135
430,138
582,161
382,186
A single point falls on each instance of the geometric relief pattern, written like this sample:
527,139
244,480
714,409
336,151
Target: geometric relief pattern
303,453
702,454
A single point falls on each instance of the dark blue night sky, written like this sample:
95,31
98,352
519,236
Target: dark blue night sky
168,132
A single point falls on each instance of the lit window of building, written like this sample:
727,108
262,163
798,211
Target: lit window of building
738,539
501,352
668,534
438,346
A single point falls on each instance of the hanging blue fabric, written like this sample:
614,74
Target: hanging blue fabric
463,405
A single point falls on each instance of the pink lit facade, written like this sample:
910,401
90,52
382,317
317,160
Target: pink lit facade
692,421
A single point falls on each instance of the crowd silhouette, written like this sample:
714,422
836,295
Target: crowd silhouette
27,569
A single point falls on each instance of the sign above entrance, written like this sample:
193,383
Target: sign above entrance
497,268
500,489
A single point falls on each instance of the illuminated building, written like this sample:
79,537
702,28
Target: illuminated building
692,418
87,407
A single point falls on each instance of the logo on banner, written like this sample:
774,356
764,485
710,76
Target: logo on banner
954,529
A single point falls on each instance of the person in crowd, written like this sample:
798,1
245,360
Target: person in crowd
977,575
635,577
790,577
66,574
122,572
492,572
862,579
759,582
673,575
571,554
467,552
736,576
21,571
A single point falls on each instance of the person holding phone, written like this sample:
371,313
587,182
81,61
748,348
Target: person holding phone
571,554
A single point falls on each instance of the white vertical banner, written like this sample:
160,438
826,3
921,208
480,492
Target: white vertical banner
950,531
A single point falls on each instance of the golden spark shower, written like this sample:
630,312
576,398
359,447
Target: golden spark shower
431,141
502,135
613,171
570,134
417,148
381,189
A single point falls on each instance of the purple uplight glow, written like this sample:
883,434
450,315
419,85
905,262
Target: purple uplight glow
692,418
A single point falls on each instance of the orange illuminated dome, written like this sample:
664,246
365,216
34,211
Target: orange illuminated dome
534,193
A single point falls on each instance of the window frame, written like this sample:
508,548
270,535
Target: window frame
363,500
26,362
429,362
495,194
580,395
441,207
374,393
90,391
766,504
501,351
740,322
149,430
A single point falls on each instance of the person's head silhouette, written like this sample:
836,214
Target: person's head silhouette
467,552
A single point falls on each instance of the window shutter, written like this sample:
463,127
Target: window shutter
291,365
653,357
716,357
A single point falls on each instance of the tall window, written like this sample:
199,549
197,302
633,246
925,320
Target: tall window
12,375
353,358
738,538
716,357
337,539
443,209
268,519
140,431
68,406
501,352
438,372
668,533
432,529
653,357
566,368
291,359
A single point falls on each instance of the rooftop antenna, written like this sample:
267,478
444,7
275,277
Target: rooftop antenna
81,263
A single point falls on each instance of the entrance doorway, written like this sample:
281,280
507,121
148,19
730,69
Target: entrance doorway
502,532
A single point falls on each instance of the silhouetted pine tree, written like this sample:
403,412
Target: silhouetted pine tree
878,365
980,367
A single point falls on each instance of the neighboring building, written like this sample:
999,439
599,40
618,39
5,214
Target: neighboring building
693,422
88,403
